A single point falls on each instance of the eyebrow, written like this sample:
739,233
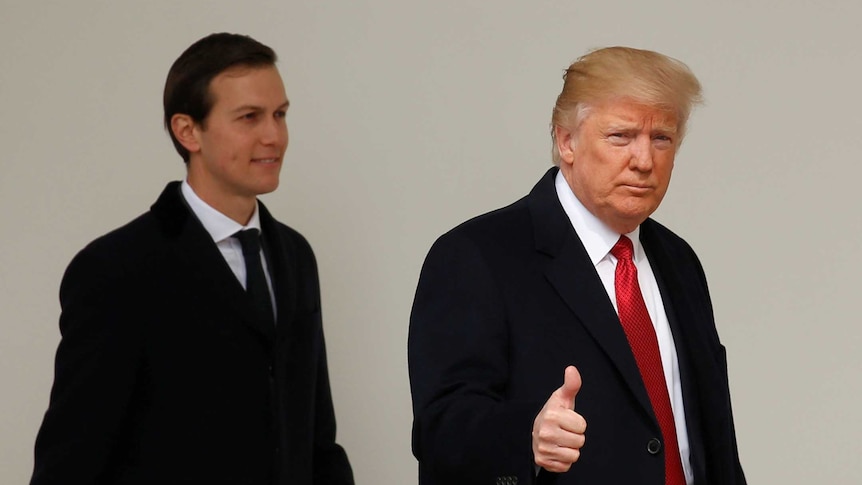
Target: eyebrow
251,107
622,125
668,129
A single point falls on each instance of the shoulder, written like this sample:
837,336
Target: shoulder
655,234
134,242
499,226
115,256
671,252
124,244
286,237
292,237
483,245
514,226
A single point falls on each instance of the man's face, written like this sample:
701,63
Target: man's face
242,141
619,162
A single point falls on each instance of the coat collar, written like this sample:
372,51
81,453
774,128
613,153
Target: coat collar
195,249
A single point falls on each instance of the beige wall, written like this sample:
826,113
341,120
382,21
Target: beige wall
408,117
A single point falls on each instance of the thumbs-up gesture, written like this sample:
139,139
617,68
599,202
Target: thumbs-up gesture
558,431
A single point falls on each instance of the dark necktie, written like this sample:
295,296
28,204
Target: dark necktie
644,343
255,281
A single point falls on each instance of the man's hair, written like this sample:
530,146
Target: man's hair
642,76
187,86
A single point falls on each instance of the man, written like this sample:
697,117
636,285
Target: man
188,353
515,302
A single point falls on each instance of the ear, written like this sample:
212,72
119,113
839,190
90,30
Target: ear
186,131
564,138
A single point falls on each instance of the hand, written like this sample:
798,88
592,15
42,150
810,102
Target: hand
558,431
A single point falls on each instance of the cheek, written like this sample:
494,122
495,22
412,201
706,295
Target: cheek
237,147
664,171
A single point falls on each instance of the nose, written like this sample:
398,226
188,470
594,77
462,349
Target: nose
641,154
274,132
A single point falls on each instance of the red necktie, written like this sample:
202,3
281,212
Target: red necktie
642,339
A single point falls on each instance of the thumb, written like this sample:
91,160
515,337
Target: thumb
571,386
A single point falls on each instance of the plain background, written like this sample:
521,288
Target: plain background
409,117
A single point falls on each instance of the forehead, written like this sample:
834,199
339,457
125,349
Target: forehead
242,85
628,113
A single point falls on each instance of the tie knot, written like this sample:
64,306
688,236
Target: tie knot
623,249
250,240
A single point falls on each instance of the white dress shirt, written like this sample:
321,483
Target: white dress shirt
222,228
599,239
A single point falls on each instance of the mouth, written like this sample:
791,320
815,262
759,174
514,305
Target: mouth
266,160
638,189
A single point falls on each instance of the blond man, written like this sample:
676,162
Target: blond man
568,338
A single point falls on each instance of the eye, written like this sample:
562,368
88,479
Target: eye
282,113
663,140
618,138
251,116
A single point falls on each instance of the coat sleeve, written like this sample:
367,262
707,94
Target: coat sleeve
465,429
94,375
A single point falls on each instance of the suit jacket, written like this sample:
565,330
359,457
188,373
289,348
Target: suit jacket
504,303
165,375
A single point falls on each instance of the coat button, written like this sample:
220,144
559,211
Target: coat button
653,446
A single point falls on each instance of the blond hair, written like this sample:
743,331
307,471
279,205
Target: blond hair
643,76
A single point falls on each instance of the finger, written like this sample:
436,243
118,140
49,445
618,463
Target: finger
571,386
559,461
550,438
574,441
572,422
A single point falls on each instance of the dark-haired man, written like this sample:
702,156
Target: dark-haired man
192,348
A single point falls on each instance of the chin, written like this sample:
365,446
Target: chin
638,209
262,189
268,190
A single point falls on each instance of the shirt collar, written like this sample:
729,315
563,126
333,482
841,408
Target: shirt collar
218,225
597,237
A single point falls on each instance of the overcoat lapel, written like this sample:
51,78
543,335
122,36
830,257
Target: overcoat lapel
571,273
195,249
282,271
681,318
